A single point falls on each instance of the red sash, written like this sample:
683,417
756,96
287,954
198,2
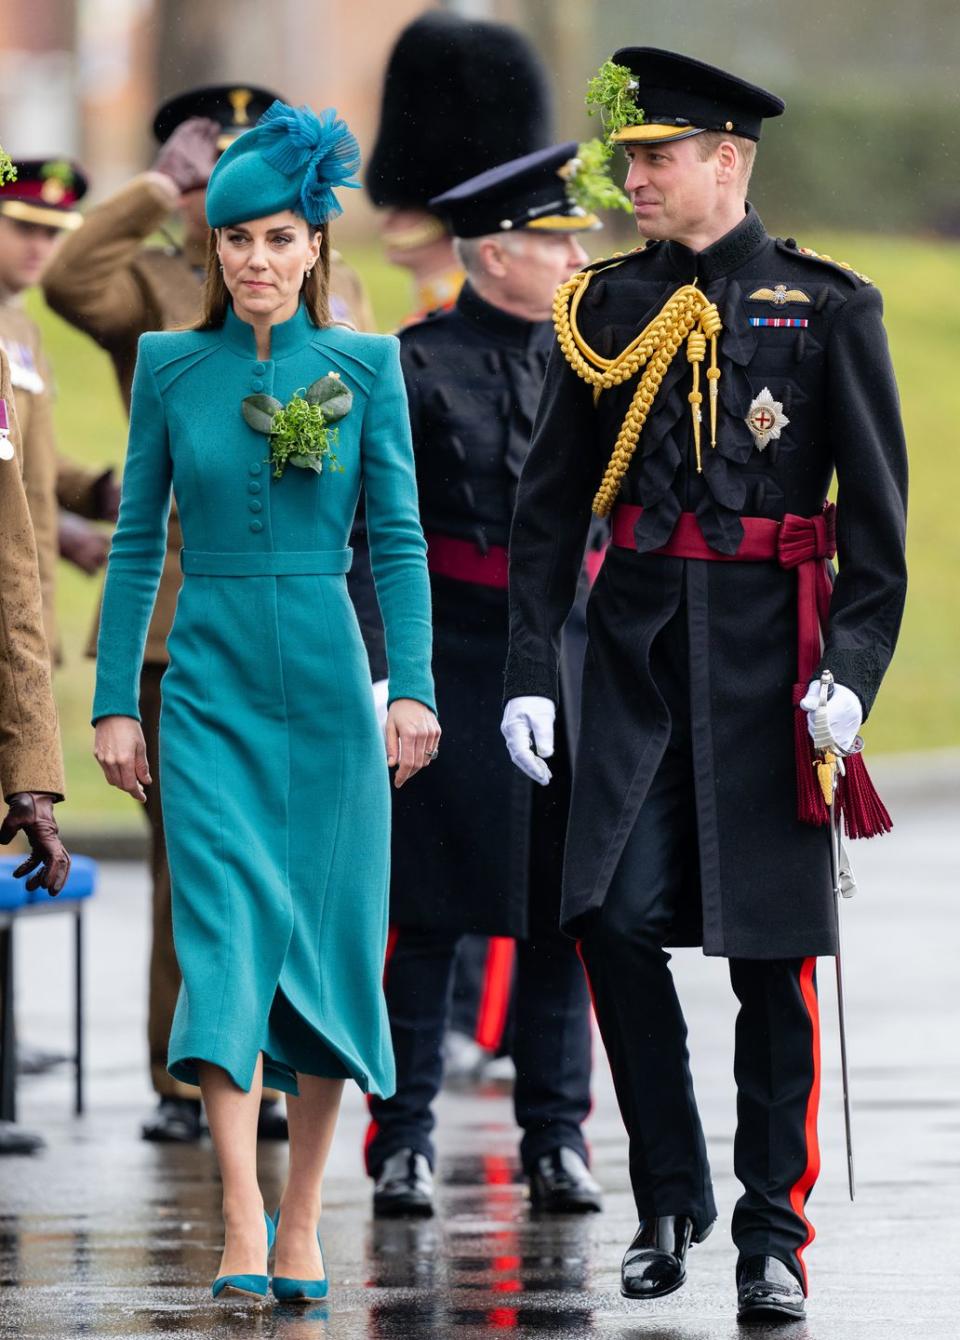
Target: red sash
804,543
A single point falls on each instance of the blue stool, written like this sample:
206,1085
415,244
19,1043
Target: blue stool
16,902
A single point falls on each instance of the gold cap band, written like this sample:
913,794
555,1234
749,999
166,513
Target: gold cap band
26,212
563,223
652,133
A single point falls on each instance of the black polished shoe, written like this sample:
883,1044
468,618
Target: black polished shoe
655,1263
561,1184
272,1121
404,1187
15,1140
177,1121
768,1291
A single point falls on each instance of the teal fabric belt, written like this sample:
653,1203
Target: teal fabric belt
319,562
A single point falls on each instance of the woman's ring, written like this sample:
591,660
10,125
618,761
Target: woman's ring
432,754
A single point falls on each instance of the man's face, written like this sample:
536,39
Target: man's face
535,265
674,191
25,249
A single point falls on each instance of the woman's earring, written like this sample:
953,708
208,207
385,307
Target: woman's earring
308,273
221,269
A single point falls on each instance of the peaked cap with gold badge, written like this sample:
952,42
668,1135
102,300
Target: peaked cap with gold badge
237,107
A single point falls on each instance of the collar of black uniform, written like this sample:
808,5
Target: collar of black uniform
724,256
494,321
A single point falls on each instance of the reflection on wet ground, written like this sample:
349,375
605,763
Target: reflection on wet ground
106,1237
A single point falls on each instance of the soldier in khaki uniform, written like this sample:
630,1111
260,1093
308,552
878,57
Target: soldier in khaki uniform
31,767
106,281
36,209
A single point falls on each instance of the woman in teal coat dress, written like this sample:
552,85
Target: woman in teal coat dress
274,771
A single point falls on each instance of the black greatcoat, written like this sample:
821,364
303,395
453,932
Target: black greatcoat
462,858
765,882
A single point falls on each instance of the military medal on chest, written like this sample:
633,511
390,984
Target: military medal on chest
6,446
765,418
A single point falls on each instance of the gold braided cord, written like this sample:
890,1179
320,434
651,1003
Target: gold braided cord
686,315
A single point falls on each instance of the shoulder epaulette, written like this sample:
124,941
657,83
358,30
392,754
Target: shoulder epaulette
618,258
790,245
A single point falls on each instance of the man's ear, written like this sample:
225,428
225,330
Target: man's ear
728,161
491,254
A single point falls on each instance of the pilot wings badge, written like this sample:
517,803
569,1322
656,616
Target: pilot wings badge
779,296
765,418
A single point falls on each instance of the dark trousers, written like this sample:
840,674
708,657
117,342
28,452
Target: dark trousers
777,1041
551,1044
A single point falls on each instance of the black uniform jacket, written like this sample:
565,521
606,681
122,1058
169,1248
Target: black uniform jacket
765,884
465,848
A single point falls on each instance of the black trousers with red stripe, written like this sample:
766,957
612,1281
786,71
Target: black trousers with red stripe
776,1062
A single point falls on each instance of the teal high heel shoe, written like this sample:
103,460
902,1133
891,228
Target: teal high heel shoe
299,1291
250,1286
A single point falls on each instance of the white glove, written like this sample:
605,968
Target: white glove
381,692
844,713
525,717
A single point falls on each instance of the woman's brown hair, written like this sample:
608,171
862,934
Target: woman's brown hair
215,298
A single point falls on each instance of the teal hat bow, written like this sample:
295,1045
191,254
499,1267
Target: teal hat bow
291,159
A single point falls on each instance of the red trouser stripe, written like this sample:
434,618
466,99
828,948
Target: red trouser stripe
495,998
372,1127
804,1185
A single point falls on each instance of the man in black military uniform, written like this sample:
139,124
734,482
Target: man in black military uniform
480,849
704,390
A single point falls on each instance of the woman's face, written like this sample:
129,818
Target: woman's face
264,263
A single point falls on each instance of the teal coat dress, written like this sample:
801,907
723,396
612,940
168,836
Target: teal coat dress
273,772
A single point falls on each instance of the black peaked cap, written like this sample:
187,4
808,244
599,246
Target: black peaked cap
527,193
459,96
237,107
684,95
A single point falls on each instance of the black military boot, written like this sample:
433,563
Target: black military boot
177,1121
768,1291
560,1183
404,1187
655,1263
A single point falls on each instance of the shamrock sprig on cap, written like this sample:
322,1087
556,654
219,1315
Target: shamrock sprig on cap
611,94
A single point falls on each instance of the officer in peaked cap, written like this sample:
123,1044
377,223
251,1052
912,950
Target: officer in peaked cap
112,284
703,392
480,851
36,210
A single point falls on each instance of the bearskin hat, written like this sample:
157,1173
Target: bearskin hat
459,96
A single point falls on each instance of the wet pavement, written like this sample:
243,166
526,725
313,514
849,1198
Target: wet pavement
105,1236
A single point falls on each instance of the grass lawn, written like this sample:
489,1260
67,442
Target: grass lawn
919,707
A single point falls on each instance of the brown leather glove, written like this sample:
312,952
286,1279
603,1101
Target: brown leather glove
188,156
82,544
31,812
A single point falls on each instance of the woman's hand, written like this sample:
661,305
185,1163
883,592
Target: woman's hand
413,733
120,750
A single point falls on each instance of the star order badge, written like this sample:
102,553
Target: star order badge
765,418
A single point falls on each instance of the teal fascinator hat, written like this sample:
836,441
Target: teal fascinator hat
291,159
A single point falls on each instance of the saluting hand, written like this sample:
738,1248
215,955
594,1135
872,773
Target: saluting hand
188,156
413,733
120,750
